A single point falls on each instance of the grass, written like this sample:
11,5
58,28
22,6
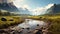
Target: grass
5,24
55,27
55,22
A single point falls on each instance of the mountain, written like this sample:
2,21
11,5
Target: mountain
24,11
55,9
9,7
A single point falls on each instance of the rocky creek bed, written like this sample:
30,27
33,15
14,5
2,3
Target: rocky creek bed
28,27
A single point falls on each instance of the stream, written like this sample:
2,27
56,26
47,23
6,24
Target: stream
27,27
30,25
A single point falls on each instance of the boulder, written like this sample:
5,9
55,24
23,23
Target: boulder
3,19
11,19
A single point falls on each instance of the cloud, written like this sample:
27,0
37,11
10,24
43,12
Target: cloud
36,11
25,7
49,6
20,4
17,3
41,10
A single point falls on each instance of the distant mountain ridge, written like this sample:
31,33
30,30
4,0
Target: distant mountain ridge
55,9
24,11
9,7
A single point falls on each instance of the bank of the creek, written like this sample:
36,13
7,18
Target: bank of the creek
29,26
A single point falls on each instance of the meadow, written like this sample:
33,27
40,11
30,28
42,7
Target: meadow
10,21
54,20
54,27
55,24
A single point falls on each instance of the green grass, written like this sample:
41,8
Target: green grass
55,22
5,24
55,27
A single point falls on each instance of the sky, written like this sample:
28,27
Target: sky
36,7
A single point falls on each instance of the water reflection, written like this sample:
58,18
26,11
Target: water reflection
31,23
29,26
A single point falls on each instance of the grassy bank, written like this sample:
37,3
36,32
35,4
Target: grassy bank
11,20
55,24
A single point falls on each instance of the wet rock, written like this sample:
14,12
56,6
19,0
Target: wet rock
37,24
20,31
39,32
3,19
22,28
12,32
27,28
11,19
3,31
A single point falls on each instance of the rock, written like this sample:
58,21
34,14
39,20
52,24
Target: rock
11,19
37,24
27,28
3,31
39,32
3,19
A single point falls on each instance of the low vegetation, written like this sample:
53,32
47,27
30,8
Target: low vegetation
55,24
10,21
13,20
53,19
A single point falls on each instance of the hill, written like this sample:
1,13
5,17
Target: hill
55,9
9,7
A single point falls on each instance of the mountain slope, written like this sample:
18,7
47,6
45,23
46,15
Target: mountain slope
8,6
24,11
54,9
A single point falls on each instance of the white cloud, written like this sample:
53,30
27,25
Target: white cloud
41,10
26,6
49,5
20,4
37,11
17,3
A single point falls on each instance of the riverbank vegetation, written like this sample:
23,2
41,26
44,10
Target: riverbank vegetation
14,20
54,22
6,21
